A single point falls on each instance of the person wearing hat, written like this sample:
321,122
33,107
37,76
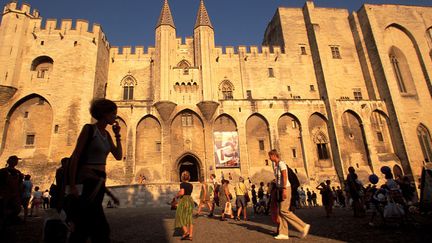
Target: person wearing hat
241,191
10,191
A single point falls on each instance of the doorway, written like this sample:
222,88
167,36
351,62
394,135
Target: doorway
191,164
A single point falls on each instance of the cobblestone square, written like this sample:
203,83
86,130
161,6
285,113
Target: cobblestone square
157,225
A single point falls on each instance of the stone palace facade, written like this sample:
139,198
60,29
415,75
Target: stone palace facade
328,88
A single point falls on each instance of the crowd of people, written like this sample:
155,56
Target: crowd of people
80,188
18,194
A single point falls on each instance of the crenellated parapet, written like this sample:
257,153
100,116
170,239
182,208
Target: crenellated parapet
185,41
129,53
25,8
249,51
53,27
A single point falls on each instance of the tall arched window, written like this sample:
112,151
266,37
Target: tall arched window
425,142
321,142
401,71
128,83
42,65
227,90
398,73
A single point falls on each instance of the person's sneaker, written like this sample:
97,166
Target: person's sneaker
281,237
306,231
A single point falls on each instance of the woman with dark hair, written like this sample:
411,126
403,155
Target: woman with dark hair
185,207
87,168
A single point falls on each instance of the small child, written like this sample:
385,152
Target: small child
36,201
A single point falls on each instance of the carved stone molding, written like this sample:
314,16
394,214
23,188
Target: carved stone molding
165,109
6,93
208,108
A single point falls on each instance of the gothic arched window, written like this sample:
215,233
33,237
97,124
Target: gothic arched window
321,142
401,71
185,65
425,142
42,65
128,83
226,88
398,73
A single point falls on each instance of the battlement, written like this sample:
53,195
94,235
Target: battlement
186,41
60,28
270,51
127,52
24,9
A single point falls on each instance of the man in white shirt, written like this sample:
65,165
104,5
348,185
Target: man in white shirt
284,191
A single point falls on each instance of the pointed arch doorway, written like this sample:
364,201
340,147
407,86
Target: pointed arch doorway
189,162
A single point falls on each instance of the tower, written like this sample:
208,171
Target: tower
203,45
165,41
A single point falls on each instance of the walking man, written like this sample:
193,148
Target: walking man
284,197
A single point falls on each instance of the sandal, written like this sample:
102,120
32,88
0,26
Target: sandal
185,237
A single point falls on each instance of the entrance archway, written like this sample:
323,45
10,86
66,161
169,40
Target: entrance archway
191,164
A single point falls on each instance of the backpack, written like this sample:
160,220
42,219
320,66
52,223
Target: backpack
293,179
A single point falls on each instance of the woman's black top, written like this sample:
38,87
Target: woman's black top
187,188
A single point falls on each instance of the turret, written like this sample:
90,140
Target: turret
15,23
165,40
204,45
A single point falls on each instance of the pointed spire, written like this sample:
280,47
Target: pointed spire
202,16
165,17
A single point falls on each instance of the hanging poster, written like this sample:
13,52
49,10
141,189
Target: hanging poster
227,153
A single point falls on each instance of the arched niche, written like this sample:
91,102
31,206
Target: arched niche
290,140
28,128
148,147
353,147
224,123
320,139
258,139
382,134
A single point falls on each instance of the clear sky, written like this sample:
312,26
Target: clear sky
132,22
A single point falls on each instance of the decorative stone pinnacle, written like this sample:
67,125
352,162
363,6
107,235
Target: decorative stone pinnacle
202,17
165,17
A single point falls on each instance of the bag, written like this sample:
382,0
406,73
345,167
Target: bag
174,203
393,210
228,209
247,198
293,179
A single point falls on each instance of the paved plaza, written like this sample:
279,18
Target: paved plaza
156,225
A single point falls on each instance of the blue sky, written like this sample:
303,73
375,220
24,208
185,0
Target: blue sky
132,22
